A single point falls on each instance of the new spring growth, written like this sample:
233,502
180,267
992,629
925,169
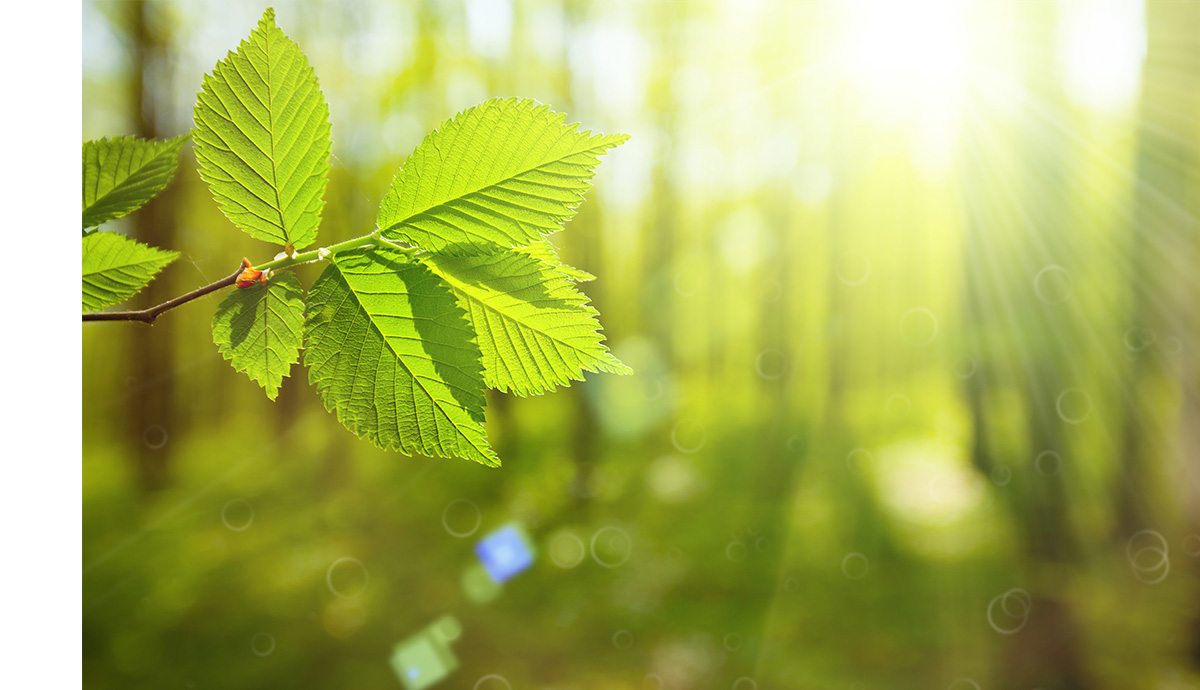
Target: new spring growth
249,276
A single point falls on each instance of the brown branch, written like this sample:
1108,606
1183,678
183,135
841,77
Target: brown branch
149,314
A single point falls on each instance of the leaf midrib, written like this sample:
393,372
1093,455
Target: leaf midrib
271,131
119,267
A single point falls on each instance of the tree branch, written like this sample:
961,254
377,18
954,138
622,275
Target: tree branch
149,314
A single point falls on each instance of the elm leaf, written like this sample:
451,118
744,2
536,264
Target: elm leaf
115,268
122,174
498,175
390,350
535,329
260,329
262,138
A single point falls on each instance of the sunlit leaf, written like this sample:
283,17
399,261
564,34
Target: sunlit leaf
262,138
259,329
120,175
501,174
115,268
390,350
535,330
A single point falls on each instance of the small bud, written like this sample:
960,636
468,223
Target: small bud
248,276
289,250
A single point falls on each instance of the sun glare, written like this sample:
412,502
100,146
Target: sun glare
905,58
908,64
1103,45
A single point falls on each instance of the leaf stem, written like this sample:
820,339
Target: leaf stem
149,314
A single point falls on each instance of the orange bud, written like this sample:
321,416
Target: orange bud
249,276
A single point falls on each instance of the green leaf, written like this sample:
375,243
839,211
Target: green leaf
259,329
535,330
120,175
545,251
262,138
115,268
391,351
505,172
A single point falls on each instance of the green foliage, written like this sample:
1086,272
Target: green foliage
120,175
116,267
401,341
262,138
259,330
534,328
391,351
501,174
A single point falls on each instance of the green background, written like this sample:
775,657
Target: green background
917,366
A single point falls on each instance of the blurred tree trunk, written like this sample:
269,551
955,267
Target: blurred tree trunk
1166,309
1164,256
1005,247
151,409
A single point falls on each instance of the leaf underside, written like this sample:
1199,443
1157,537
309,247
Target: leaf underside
115,268
534,328
260,329
501,174
390,350
262,138
121,174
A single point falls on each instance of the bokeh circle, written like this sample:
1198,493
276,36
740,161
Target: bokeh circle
855,565
1015,606
452,507
567,550
1053,284
479,684
859,460
688,436
622,639
770,364
853,269
262,644
611,547
155,437
1074,405
237,515
1048,463
736,551
918,326
344,563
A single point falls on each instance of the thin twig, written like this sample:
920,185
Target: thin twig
149,314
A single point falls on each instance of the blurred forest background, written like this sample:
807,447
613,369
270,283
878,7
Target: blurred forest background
911,294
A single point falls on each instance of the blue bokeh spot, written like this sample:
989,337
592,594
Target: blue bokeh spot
504,553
